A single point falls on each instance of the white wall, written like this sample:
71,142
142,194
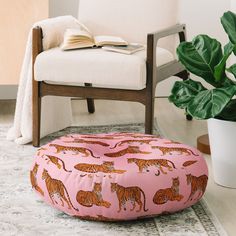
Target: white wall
201,17
233,5
63,7
233,8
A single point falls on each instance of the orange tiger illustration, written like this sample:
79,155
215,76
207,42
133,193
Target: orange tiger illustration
129,150
162,196
106,167
33,179
132,194
169,150
88,142
198,184
140,141
88,199
144,164
189,163
39,151
56,161
76,150
56,187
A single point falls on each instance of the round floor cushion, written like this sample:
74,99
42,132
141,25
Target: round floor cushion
118,176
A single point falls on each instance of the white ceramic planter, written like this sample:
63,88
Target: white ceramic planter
222,135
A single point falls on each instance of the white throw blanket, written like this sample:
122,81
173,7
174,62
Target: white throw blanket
56,111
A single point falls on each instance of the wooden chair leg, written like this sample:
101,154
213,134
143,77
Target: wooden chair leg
36,109
90,101
149,115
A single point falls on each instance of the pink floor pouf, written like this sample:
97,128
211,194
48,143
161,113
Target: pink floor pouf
118,176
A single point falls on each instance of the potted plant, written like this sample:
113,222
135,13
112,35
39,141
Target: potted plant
204,57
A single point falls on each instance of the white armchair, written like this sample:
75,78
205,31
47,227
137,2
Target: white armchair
95,73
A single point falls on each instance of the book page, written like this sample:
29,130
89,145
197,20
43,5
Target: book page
109,40
77,38
77,46
76,33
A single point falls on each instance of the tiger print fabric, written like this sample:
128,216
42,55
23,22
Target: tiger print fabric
118,176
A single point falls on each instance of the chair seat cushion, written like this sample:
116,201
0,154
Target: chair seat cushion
97,66
118,176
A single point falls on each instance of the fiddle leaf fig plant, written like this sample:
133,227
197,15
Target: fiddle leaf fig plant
205,58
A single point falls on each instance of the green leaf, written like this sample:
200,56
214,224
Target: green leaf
201,56
232,70
210,103
219,71
184,91
228,21
229,112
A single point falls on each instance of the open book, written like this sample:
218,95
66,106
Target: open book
81,38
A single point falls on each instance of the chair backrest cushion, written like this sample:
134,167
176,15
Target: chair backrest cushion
130,19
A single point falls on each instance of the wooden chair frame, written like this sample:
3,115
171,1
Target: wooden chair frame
145,96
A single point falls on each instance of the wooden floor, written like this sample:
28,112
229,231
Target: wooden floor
173,125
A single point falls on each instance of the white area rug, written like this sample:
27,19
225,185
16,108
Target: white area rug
22,213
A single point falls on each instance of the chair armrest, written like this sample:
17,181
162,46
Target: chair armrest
37,42
37,47
176,29
152,39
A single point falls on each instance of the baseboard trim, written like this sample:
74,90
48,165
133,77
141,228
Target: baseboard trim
8,92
